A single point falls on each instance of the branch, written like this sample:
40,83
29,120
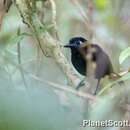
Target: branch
53,8
19,59
4,7
87,17
66,89
45,40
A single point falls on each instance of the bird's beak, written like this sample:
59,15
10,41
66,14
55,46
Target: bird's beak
66,46
69,46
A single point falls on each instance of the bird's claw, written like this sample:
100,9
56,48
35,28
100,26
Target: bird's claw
81,84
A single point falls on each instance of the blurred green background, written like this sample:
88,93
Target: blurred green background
33,105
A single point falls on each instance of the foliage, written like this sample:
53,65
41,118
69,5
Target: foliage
27,100
124,55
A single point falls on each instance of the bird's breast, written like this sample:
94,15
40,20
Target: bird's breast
79,64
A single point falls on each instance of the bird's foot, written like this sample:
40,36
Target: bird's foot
81,84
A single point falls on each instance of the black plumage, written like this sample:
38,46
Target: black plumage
77,59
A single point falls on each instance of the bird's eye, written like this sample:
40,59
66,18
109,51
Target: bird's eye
80,42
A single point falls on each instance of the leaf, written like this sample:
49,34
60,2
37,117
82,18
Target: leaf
101,4
124,55
109,85
18,38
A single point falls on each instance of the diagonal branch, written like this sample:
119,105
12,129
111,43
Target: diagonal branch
50,45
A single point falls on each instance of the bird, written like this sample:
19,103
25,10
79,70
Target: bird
80,48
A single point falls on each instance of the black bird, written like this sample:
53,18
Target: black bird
79,48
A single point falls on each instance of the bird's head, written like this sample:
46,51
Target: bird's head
80,45
75,42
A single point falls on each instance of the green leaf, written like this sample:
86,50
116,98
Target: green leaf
109,85
18,38
124,55
101,4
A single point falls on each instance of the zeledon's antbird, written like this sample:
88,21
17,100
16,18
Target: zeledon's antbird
80,46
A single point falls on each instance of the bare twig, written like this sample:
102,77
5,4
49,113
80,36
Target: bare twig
66,89
87,17
90,15
19,59
46,41
82,12
53,8
4,7
60,87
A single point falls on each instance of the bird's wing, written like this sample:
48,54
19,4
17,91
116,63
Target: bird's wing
104,66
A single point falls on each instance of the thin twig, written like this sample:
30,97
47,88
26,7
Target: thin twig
87,18
51,45
90,15
19,60
53,8
66,89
